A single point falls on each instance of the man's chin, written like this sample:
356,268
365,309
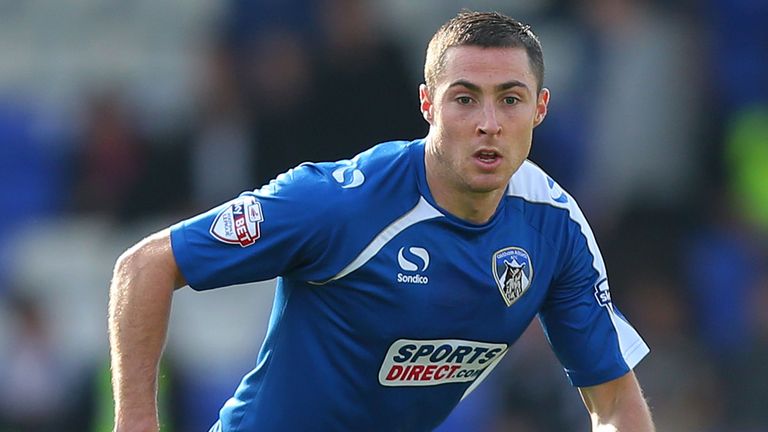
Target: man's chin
489,185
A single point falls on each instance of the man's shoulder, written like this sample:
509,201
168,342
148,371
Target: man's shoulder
377,161
354,174
382,176
546,204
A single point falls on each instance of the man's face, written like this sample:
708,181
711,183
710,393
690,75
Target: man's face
481,111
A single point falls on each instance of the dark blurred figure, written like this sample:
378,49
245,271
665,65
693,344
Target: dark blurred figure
725,269
683,388
737,43
121,172
723,266
39,391
223,146
280,87
727,263
364,95
642,107
246,20
267,52
647,254
319,83
561,144
113,157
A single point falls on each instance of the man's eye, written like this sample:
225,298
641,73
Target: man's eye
464,100
511,100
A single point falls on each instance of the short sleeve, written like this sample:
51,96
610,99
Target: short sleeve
591,338
273,231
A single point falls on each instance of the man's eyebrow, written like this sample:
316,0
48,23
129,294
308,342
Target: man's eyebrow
511,84
465,83
500,87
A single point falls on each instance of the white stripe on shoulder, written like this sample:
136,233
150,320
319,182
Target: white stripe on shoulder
421,212
532,184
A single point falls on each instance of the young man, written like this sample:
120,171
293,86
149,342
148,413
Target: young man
406,273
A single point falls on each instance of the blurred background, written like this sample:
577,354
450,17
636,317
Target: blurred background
119,118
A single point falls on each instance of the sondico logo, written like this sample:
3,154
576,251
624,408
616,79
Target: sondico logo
348,176
418,254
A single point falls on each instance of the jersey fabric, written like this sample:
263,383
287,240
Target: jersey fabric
389,310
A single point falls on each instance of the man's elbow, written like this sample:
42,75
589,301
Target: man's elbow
151,260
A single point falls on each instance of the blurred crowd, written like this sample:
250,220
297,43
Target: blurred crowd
119,118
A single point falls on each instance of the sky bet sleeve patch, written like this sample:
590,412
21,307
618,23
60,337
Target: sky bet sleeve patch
238,222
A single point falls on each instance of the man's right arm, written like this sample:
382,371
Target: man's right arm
143,282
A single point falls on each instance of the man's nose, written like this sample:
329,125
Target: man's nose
489,124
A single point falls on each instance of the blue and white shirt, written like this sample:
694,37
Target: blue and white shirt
388,309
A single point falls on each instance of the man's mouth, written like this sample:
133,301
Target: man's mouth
487,156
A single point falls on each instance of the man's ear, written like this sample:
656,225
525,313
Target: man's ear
425,101
541,106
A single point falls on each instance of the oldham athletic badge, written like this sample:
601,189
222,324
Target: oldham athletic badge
513,271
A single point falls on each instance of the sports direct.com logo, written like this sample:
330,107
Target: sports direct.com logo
432,362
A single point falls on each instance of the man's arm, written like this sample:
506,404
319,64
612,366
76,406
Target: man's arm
143,282
618,405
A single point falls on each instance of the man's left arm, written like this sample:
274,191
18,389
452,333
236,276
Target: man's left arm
618,405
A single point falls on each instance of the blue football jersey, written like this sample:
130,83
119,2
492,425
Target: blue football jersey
389,310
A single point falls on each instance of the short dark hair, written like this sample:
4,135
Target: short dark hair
487,30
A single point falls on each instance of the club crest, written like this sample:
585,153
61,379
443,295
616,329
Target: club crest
513,271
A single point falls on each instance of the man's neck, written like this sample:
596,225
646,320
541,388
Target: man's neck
473,207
